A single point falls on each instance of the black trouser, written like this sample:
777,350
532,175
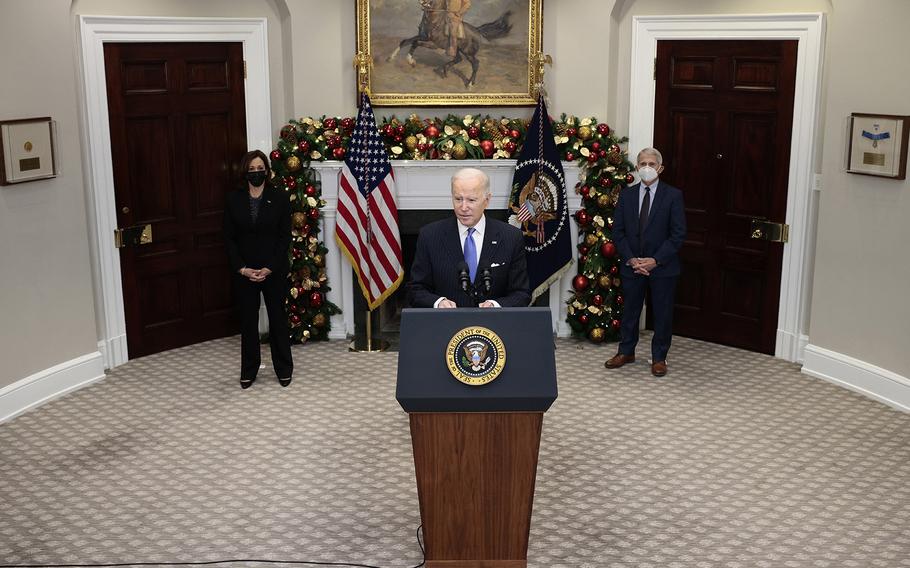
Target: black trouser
273,289
662,291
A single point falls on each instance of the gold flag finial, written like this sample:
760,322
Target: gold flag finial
538,61
362,63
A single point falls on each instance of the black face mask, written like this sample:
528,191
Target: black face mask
256,178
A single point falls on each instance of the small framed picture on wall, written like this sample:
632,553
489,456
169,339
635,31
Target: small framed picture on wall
878,145
27,149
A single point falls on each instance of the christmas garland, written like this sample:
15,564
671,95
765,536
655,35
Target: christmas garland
595,306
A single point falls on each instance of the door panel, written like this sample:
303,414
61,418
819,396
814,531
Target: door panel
723,116
178,126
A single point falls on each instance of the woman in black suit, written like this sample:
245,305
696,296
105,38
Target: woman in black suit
257,235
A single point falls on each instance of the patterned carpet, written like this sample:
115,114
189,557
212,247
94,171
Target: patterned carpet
733,460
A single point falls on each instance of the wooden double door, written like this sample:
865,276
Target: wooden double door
178,129
723,119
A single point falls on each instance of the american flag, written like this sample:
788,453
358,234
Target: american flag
367,227
526,211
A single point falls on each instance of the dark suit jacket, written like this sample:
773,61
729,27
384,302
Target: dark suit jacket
265,243
664,233
435,270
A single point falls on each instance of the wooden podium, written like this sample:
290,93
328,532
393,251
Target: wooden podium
476,446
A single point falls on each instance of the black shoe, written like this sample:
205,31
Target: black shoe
246,383
285,381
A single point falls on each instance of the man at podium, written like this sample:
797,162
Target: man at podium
469,260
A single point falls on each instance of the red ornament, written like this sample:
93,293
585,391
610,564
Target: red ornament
603,129
515,134
570,157
473,131
399,130
310,190
597,300
585,190
488,147
338,153
314,213
509,146
387,129
295,319
614,270
605,181
330,123
290,182
582,249
275,155
333,141
608,249
422,148
595,145
398,138
615,324
296,253
619,300
347,123
305,229
630,178
293,307
431,131
315,299
304,146
570,132
582,259
582,217
580,283
593,157
286,131
583,319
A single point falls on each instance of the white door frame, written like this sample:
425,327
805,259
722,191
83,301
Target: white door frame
94,32
809,31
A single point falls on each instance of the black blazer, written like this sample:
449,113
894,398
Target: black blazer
664,233
265,243
435,270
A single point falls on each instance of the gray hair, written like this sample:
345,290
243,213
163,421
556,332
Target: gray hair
473,173
652,151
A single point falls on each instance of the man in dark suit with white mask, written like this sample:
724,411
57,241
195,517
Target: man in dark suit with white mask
469,252
649,226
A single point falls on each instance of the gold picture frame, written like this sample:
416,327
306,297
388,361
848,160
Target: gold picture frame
877,145
27,150
403,52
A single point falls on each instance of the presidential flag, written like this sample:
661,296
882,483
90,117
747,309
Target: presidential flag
539,205
367,226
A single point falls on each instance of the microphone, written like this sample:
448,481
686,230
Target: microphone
463,276
486,278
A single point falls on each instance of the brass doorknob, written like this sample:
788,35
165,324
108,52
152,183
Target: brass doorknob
125,210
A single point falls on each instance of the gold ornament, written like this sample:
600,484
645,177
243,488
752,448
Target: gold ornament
299,219
597,334
591,239
319,260
603,201
410,142
293,163
459,151
584,132
617,282
319,320
603,281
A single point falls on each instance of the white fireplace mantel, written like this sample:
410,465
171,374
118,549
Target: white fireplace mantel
424,185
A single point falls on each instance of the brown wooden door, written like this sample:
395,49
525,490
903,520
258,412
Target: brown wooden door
723,117
178,127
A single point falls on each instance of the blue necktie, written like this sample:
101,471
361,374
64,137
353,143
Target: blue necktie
470,254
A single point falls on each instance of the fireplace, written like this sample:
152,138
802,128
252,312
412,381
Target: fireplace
423,197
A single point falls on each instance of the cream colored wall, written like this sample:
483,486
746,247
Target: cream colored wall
862,265
45,276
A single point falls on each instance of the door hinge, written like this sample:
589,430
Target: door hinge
244,68
655,68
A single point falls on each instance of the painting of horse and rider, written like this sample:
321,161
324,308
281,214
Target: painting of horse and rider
450,52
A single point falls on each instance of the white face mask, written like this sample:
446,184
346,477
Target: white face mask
647,174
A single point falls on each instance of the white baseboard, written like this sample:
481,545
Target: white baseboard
867,379
46,385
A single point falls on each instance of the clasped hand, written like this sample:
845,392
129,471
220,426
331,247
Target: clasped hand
255,275
643,266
